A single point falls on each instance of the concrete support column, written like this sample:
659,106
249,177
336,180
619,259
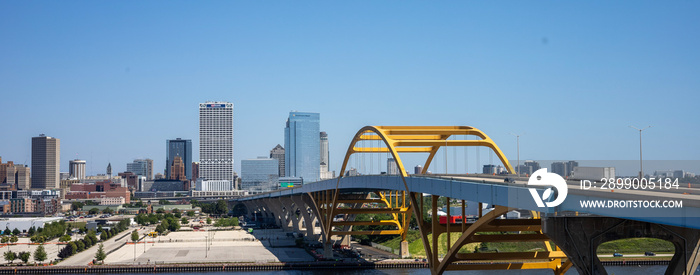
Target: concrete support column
288,204
327,250
308,221
279,215
579,238
403,250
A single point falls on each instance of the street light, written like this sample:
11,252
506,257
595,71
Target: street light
518,142
641,171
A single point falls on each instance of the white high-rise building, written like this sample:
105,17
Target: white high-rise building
76,169
216,141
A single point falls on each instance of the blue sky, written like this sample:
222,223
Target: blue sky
114,80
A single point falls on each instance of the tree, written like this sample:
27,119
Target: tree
221,207
190,213
165,224
10,256
76,206
31,231
4,239
81,245
160,210
163,202
66,252
24,256
94,210
64,238
15,232
14,239
159,229
100,256
208,220
107,211
134,236
183,220
40,254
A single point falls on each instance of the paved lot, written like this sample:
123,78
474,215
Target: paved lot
227,246
23,246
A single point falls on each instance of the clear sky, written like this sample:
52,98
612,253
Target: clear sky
114,79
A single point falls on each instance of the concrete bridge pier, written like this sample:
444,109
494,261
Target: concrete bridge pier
308,221
277,212
579,238
292,217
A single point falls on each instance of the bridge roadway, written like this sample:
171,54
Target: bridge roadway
493,190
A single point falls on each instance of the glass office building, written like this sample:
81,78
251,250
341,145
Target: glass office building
259,174
301,142
179,148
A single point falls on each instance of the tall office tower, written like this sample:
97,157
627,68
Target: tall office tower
46,162
301,143
259,174
5,169
324,149
76,169
109,170
22,177
141,167
278,154
195,171
216,141
391,167
177,171
178,148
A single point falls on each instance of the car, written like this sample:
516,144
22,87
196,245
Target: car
617,255
649,253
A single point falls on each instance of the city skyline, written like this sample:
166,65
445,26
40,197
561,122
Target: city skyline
461,64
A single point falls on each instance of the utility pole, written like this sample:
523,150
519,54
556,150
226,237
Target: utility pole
641,171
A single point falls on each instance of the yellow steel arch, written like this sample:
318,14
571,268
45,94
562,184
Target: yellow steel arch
429,139
411,139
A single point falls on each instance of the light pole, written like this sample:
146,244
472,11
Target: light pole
641,171
517,137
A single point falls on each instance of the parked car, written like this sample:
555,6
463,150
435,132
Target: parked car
617,255
649,253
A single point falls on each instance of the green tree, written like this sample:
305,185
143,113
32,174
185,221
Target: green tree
80,245
14,239
107,211
64,238
183,220
190,213
208,220
4,239
15,232
24,256
10,256
94,211
40,254
31,231
221,207
100,256
76,206
134,236
159,229
160,210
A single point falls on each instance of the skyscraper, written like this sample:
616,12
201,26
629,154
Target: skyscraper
216,141
46,162
325,158
141,167
76,169
324,149
177,170
195,171
278,154
301,143
178,148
